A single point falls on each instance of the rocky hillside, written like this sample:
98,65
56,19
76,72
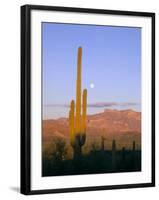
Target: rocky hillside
122,125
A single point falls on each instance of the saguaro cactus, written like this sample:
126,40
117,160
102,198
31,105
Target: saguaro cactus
134,146
113,155
123,154
77,121
103,143
133,153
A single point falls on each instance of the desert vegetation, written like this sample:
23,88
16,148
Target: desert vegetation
56,161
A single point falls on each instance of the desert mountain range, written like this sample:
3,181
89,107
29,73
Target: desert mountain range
122,125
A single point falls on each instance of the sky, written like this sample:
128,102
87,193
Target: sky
111,66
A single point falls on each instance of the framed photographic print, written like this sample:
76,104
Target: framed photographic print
87,99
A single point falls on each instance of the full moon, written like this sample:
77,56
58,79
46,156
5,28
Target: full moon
92,85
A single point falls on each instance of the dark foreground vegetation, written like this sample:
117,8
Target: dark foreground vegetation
97,161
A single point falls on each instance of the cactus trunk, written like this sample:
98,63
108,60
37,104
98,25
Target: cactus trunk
78,92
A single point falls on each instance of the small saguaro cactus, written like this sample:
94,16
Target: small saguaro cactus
133,153
113,155
103,143
123,154
78,118
134,146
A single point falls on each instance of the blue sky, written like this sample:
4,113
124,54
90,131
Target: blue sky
111,60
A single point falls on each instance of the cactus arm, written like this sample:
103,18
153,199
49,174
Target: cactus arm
71,122
70,126
84,111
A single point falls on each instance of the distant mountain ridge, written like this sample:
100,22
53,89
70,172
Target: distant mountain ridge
117,120
123,125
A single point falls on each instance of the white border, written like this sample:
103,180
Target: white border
41,183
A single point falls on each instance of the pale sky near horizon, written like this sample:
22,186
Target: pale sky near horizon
111,63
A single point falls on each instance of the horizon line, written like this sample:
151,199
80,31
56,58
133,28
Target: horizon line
97,104
119,110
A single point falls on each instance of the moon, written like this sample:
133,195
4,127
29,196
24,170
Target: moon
91,85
